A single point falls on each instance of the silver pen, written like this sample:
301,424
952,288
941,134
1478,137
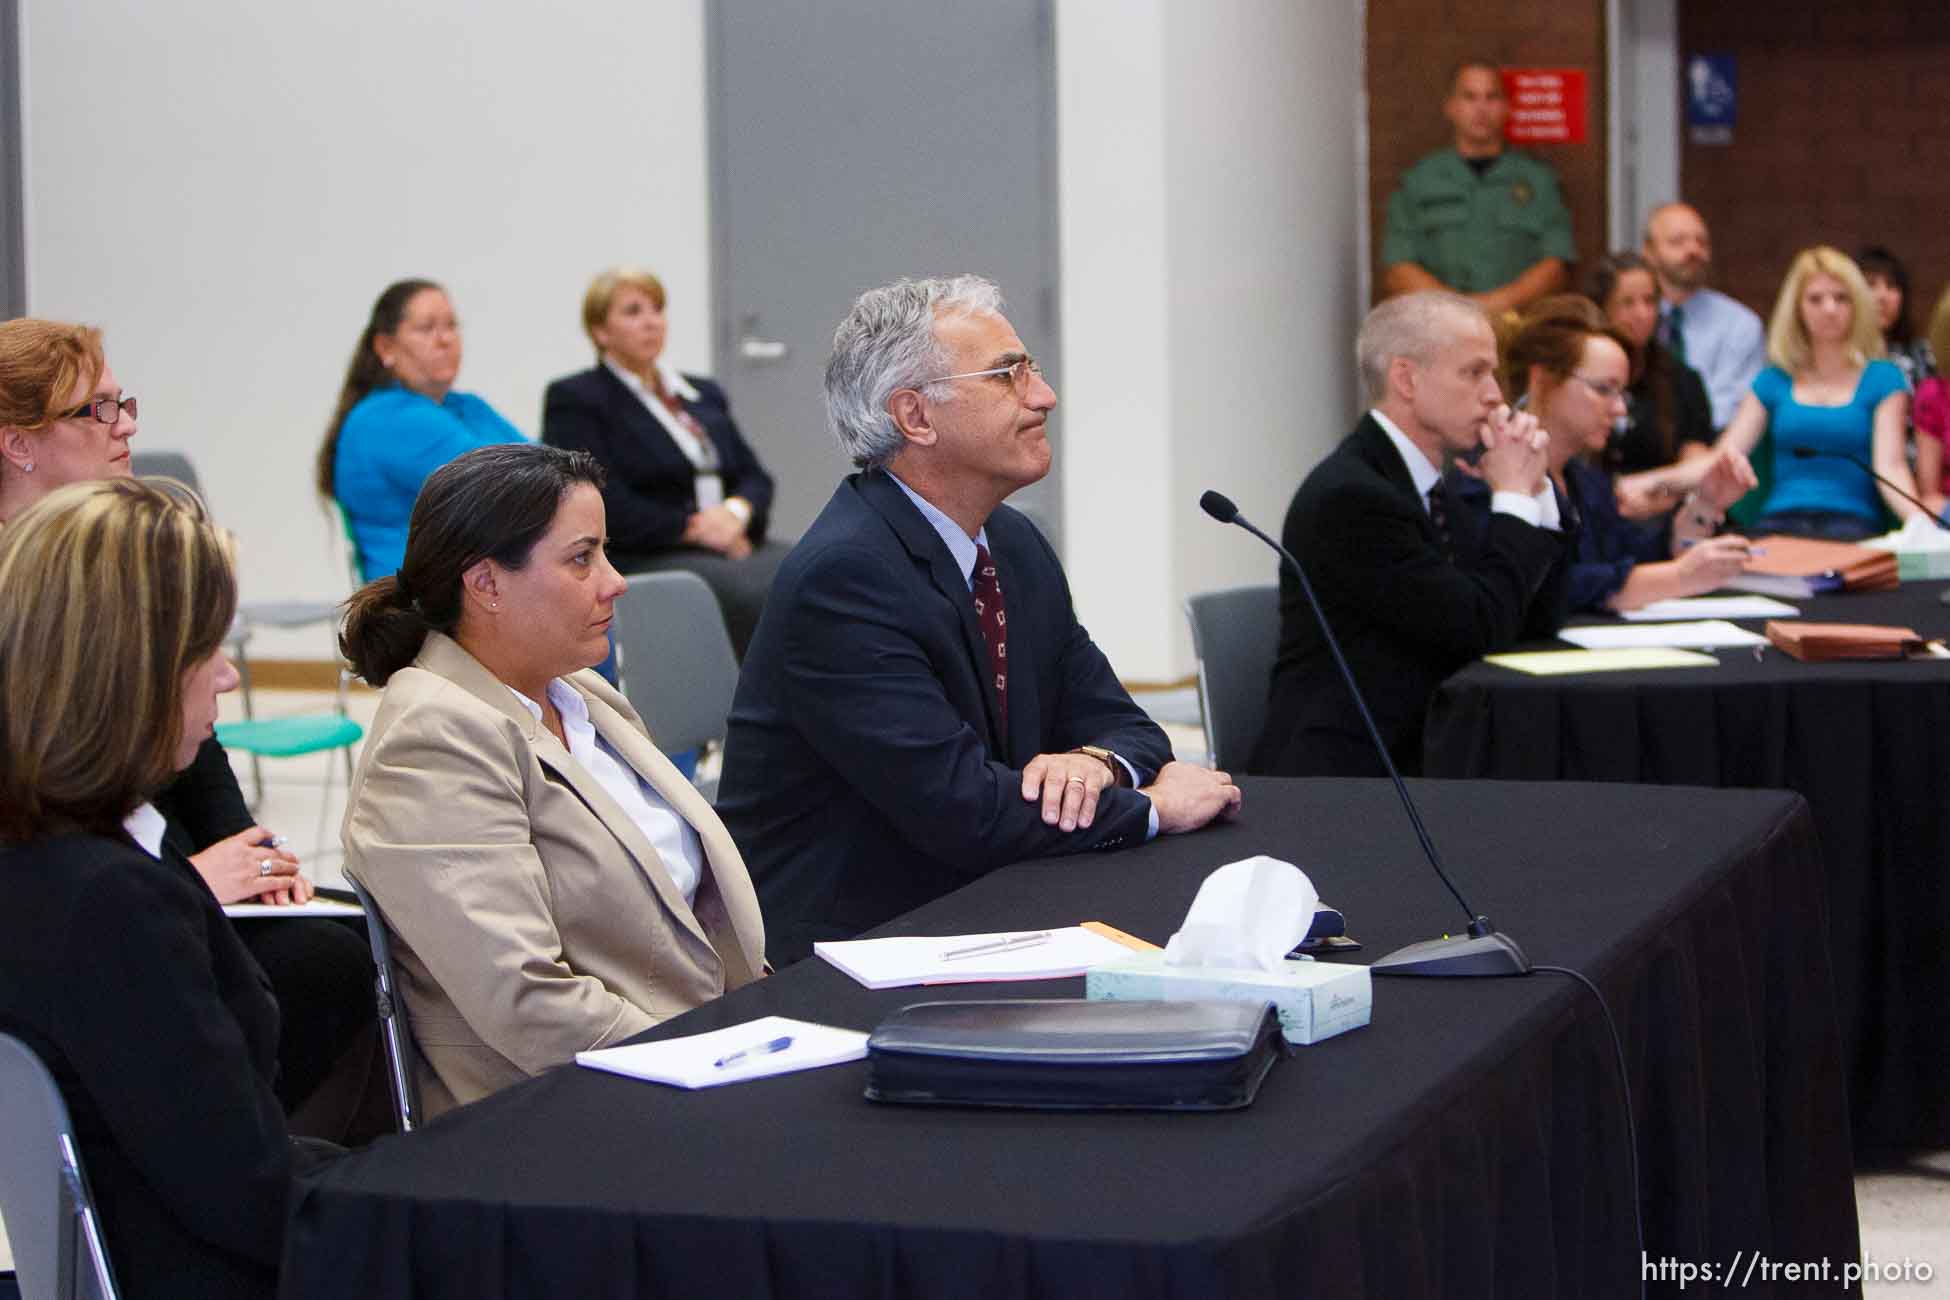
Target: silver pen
998,945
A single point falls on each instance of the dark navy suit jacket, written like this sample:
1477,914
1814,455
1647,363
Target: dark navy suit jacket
651,484
867,770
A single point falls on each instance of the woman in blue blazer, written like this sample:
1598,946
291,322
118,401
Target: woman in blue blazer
685,490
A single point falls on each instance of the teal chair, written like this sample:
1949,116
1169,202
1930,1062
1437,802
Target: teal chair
310,733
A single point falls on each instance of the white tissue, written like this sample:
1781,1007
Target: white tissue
1921,533
1248,915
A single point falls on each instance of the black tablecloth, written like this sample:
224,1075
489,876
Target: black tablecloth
1868,744
1469,1142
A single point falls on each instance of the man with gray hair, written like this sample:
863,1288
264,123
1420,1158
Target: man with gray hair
1411,594
919,704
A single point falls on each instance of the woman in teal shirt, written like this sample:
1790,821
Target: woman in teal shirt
398,420
1827,392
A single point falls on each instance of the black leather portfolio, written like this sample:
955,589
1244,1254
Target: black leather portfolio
1075,1055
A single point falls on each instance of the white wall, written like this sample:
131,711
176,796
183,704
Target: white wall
225,187
228,203
1209,174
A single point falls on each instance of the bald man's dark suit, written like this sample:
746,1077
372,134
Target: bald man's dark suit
1408,612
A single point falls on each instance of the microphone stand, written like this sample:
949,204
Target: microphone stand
1483,950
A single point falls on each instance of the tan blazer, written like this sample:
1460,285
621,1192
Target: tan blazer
531,918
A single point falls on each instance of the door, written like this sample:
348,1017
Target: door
854,142
13,242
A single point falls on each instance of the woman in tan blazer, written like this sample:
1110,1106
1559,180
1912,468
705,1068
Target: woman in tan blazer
552,882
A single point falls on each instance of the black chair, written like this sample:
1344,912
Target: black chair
1235,634
402,1053
52,1226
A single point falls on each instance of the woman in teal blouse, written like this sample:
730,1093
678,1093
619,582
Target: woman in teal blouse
1829,400
398,420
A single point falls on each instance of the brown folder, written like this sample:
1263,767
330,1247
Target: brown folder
1858,568
1821,642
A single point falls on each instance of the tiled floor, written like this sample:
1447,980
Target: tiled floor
1905,1211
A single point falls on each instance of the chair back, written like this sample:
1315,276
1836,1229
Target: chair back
677,666
1235,634
402,1054
52,1227
166,464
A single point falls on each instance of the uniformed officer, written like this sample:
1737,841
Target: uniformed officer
1478,218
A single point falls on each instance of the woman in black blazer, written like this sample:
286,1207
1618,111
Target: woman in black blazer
684,489
116,964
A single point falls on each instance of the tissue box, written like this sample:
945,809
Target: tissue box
1914,562
1315,999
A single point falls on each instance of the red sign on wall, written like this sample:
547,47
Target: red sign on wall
1547,105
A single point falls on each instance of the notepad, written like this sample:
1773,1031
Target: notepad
1698,607
897,963
1552,663
1703,635
290,911
692,1062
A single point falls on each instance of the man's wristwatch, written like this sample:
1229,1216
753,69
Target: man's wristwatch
1119,774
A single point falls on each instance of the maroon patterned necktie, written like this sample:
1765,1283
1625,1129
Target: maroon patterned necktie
989,612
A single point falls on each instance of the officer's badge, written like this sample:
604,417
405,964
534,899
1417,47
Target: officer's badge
1522,193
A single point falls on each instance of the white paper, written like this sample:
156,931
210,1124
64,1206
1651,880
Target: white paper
1247,916
692,1062
897,963
1704,635
1697,607
291,911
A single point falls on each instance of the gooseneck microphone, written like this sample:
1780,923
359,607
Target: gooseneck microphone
1484,951
1811,453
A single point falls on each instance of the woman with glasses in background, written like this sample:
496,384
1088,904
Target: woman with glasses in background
684,490
1571,369
399,419
64,419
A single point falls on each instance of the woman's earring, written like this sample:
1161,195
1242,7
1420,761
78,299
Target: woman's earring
27,468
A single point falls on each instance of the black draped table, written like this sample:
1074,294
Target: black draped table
1469,1142
1868,745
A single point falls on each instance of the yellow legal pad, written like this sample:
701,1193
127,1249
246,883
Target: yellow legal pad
1552,663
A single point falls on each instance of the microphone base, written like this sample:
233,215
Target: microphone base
1460,955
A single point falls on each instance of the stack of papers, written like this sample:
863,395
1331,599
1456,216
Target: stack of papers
291,911
1558,663
693,1062
1704,635
1033,955
1697,607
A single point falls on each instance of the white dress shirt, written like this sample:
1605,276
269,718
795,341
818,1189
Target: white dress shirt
145,826
673,838
1539,510
1725,342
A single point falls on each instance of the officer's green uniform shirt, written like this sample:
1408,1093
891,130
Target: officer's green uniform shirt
1477,233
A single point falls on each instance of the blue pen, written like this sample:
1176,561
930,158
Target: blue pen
772,1048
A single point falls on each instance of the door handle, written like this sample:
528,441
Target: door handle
761,351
